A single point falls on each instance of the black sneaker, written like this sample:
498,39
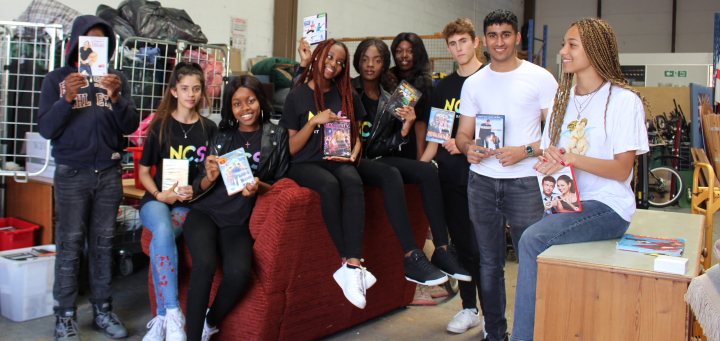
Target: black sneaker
506,337
107,321
447,262
418,269
66,328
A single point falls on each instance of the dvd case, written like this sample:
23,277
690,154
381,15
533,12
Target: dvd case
440,125
490,131
235,170
175,171
337,139
405,94
559,191
92,56
315,28
644,244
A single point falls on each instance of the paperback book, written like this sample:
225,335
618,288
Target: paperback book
315,28
440,125
337,139
34,253
92,56
174,171
490,131
235,170
652,245
405,94
559,191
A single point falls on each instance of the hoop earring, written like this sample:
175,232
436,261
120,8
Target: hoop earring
262,115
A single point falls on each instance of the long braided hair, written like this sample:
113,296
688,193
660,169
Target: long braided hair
600,45
315,72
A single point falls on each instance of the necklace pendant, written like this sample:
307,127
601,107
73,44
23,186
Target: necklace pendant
185,135
247,144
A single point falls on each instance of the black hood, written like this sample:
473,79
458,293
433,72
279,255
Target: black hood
81,26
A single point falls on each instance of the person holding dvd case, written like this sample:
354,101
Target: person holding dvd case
218,223
323,94
177,131
85,119
502,187
613,122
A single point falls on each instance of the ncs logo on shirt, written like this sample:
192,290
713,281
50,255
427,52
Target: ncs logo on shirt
188,153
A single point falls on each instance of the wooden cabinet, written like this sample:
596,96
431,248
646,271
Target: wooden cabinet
592,291
33,202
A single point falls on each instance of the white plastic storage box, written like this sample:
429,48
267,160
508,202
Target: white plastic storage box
26,286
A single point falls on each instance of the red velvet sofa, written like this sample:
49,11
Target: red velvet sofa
292,294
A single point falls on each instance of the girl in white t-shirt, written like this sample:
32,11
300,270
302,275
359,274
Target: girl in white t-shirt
598,127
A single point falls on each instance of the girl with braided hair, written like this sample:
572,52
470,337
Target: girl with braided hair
615,134
323,94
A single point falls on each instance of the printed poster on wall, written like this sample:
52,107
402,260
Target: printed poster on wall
238,34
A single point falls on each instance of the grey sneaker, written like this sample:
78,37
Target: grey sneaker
105,320
66,328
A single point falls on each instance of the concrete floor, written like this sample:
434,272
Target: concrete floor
411,323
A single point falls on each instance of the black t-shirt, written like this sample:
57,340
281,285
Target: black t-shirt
300,108
193,148
451,168
371,106
233,210
84,54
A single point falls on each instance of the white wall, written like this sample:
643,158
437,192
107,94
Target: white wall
641,26
212,16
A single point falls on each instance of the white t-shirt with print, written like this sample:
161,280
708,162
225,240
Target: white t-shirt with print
601,137
520,95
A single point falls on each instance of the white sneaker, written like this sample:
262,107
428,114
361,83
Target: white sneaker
156,330
352,282
464,320
207,330
369,278
175,325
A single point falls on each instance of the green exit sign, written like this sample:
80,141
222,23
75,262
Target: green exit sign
669,73
682,73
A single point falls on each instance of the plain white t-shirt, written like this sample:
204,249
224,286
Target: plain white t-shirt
520,95
601,137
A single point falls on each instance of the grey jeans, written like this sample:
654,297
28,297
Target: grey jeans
86,205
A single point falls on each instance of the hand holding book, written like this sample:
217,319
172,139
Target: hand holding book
552,160
325,116
407,113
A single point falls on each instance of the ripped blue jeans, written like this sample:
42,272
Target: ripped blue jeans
86,206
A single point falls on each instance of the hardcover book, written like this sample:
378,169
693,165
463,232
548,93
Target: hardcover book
92,56
174,171
559,191
440,125
405,94
653,245
315,28
490,131
235,170
336,141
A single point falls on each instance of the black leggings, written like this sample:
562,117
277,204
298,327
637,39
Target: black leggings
417,173
462,232
205,239
342,200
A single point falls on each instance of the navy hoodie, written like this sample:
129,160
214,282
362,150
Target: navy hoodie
87,133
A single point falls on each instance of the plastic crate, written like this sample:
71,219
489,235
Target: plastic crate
137,155
24,236
26,286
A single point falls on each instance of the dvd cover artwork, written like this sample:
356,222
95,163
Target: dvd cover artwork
315,28
645,244
92,56
559,191
405,94
490,131
440,125
235,170
337,139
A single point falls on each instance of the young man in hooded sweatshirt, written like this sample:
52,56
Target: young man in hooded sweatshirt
85,119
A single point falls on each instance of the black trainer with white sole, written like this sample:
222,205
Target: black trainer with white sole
418,269
447,262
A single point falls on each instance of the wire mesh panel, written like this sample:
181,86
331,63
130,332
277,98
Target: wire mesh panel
27,54
440,59
215,62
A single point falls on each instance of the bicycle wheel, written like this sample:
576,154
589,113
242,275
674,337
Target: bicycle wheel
665,186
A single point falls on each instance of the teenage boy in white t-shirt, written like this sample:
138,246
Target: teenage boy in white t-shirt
502,185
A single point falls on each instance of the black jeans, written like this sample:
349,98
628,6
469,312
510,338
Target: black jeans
424,174
462,235
342,199
86,205
204,240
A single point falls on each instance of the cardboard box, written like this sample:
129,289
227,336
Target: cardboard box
236,61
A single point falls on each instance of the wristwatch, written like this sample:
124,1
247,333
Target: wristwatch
529,150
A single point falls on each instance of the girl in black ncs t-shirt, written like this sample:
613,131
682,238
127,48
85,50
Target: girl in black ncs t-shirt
219,223
320,95
176,132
